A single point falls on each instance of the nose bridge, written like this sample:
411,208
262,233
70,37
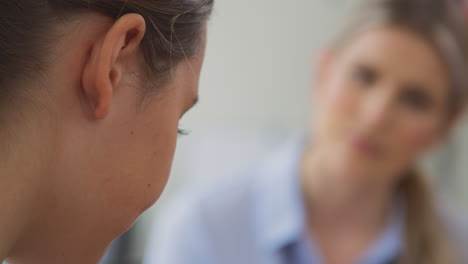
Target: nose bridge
377,110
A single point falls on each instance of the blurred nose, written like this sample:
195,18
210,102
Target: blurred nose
376,111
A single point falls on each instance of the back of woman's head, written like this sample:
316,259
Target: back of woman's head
173,33
78,119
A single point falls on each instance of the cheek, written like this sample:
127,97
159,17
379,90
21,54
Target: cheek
157,153
147,160
338,96
337,107
161,155
414,137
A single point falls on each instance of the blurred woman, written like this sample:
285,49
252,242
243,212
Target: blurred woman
91,92
389,88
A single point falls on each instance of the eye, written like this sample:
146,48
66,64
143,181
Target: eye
365,75
416,99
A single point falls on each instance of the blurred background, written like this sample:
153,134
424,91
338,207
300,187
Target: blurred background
255,92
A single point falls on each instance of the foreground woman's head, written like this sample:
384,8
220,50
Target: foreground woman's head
91,93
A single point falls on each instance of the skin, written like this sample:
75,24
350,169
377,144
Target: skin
90,153
383,101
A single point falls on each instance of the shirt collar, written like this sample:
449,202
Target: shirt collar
389,244
279,210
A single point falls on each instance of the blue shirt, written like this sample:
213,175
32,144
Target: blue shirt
256,218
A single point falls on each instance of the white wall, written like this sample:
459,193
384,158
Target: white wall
259,61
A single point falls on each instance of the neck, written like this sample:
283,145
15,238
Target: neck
18,174
35,225
342,206
56,242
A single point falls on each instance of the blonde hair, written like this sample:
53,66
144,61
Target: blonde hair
426,237
442,24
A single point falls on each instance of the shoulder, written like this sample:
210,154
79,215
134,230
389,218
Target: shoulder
455,223
214,209
203,222
220,203
454,220
246,200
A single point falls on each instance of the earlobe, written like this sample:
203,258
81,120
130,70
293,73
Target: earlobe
106,62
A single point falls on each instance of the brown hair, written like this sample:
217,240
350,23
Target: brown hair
173,32
442,24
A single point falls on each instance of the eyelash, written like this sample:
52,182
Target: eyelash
183,132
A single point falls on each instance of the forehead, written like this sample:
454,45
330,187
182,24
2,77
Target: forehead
400,53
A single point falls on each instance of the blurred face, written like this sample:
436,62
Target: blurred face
383,100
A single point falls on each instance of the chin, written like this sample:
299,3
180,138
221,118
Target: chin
131,207
353,168
154,197
151,194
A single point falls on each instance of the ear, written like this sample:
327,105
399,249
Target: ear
322,67
104,68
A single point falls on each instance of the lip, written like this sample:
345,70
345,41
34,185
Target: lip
366,147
